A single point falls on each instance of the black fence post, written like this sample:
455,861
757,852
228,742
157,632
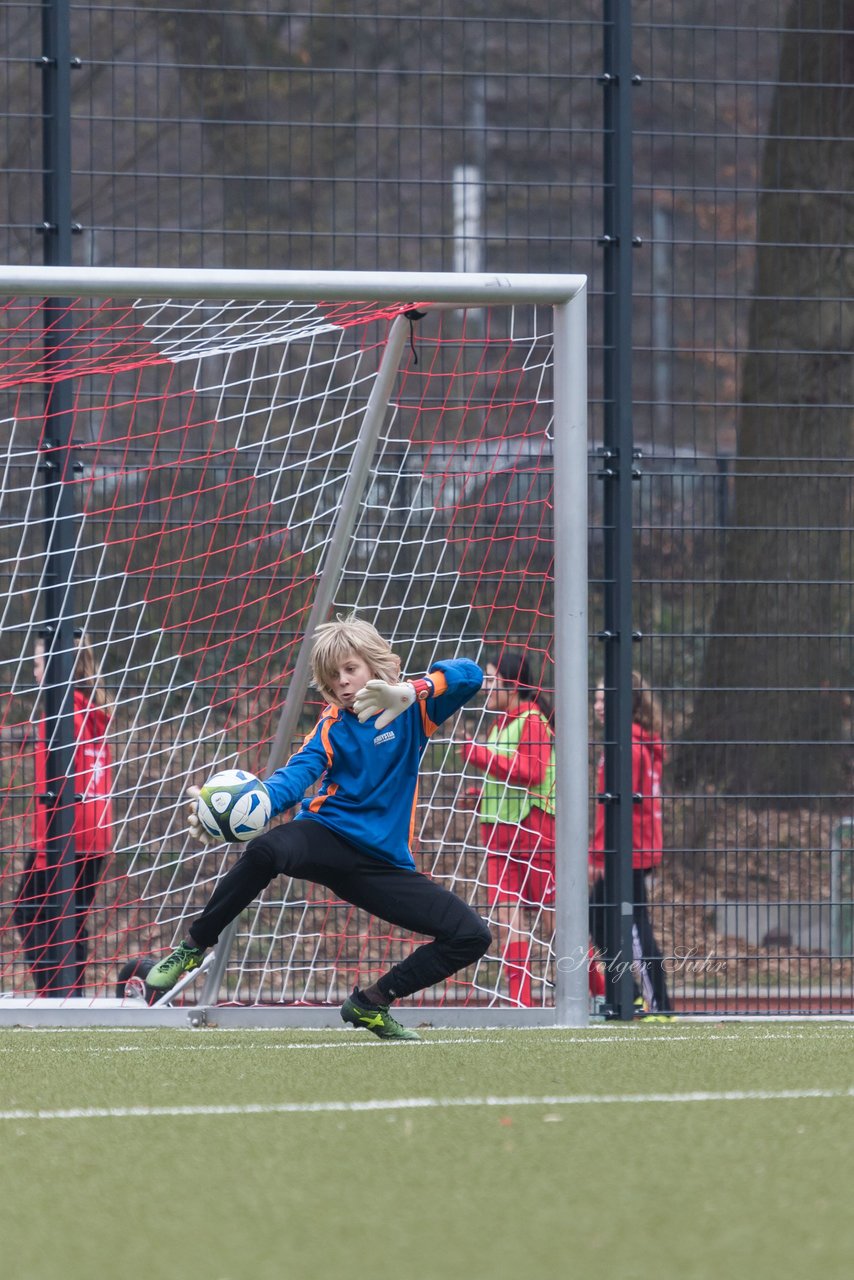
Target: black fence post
58,969
617,471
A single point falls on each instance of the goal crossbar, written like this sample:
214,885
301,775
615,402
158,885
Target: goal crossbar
455,289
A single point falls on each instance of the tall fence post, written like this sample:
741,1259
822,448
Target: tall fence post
616,472
58,961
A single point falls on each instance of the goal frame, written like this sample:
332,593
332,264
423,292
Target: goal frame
566,294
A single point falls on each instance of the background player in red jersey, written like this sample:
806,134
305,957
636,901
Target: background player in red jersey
647,846
92,830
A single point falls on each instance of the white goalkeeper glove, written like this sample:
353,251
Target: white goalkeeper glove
194,826
388,701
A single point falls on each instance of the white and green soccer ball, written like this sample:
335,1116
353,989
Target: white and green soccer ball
234,805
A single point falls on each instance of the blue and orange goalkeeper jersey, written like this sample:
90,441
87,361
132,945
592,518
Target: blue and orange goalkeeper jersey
369,777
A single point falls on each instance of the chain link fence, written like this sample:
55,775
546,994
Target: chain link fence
472,136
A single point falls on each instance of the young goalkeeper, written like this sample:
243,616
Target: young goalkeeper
352,836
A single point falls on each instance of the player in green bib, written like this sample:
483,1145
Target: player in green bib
516,810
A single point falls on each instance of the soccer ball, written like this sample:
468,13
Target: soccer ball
234,805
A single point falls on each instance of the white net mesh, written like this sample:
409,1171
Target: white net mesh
211,444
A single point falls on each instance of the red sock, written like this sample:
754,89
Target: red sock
595,976
517,956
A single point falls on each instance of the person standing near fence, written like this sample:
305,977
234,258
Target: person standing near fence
653,1001
516,809
93,820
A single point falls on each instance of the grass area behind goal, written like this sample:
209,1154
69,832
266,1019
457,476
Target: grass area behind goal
619,1151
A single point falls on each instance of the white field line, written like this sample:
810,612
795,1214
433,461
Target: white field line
829,1026
836,1024
372,1043
661,1036
428,1104
665,1034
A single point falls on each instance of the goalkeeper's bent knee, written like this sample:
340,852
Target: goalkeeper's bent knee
473,941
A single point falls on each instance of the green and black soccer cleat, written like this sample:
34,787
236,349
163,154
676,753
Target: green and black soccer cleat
374,1018
166,973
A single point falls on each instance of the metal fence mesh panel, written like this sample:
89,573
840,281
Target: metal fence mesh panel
322,139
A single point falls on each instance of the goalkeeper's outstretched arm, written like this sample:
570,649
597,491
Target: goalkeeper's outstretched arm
445,688
388,701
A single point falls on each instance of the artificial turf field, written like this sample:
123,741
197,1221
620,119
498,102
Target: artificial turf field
615,1152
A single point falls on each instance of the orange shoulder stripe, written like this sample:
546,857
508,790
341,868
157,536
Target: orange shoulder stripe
439,681
412,816
327,723
429,727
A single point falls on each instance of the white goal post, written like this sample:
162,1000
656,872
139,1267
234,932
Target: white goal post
199,467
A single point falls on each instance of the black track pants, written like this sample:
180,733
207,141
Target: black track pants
646,951
33,915
308,850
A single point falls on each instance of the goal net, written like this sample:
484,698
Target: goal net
217,476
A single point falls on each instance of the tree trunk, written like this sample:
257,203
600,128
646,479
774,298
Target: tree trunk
769,715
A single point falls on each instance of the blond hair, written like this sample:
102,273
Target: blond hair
336,641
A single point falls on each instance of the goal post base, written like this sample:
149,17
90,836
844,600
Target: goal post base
118,1014
430,1018
26,1013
